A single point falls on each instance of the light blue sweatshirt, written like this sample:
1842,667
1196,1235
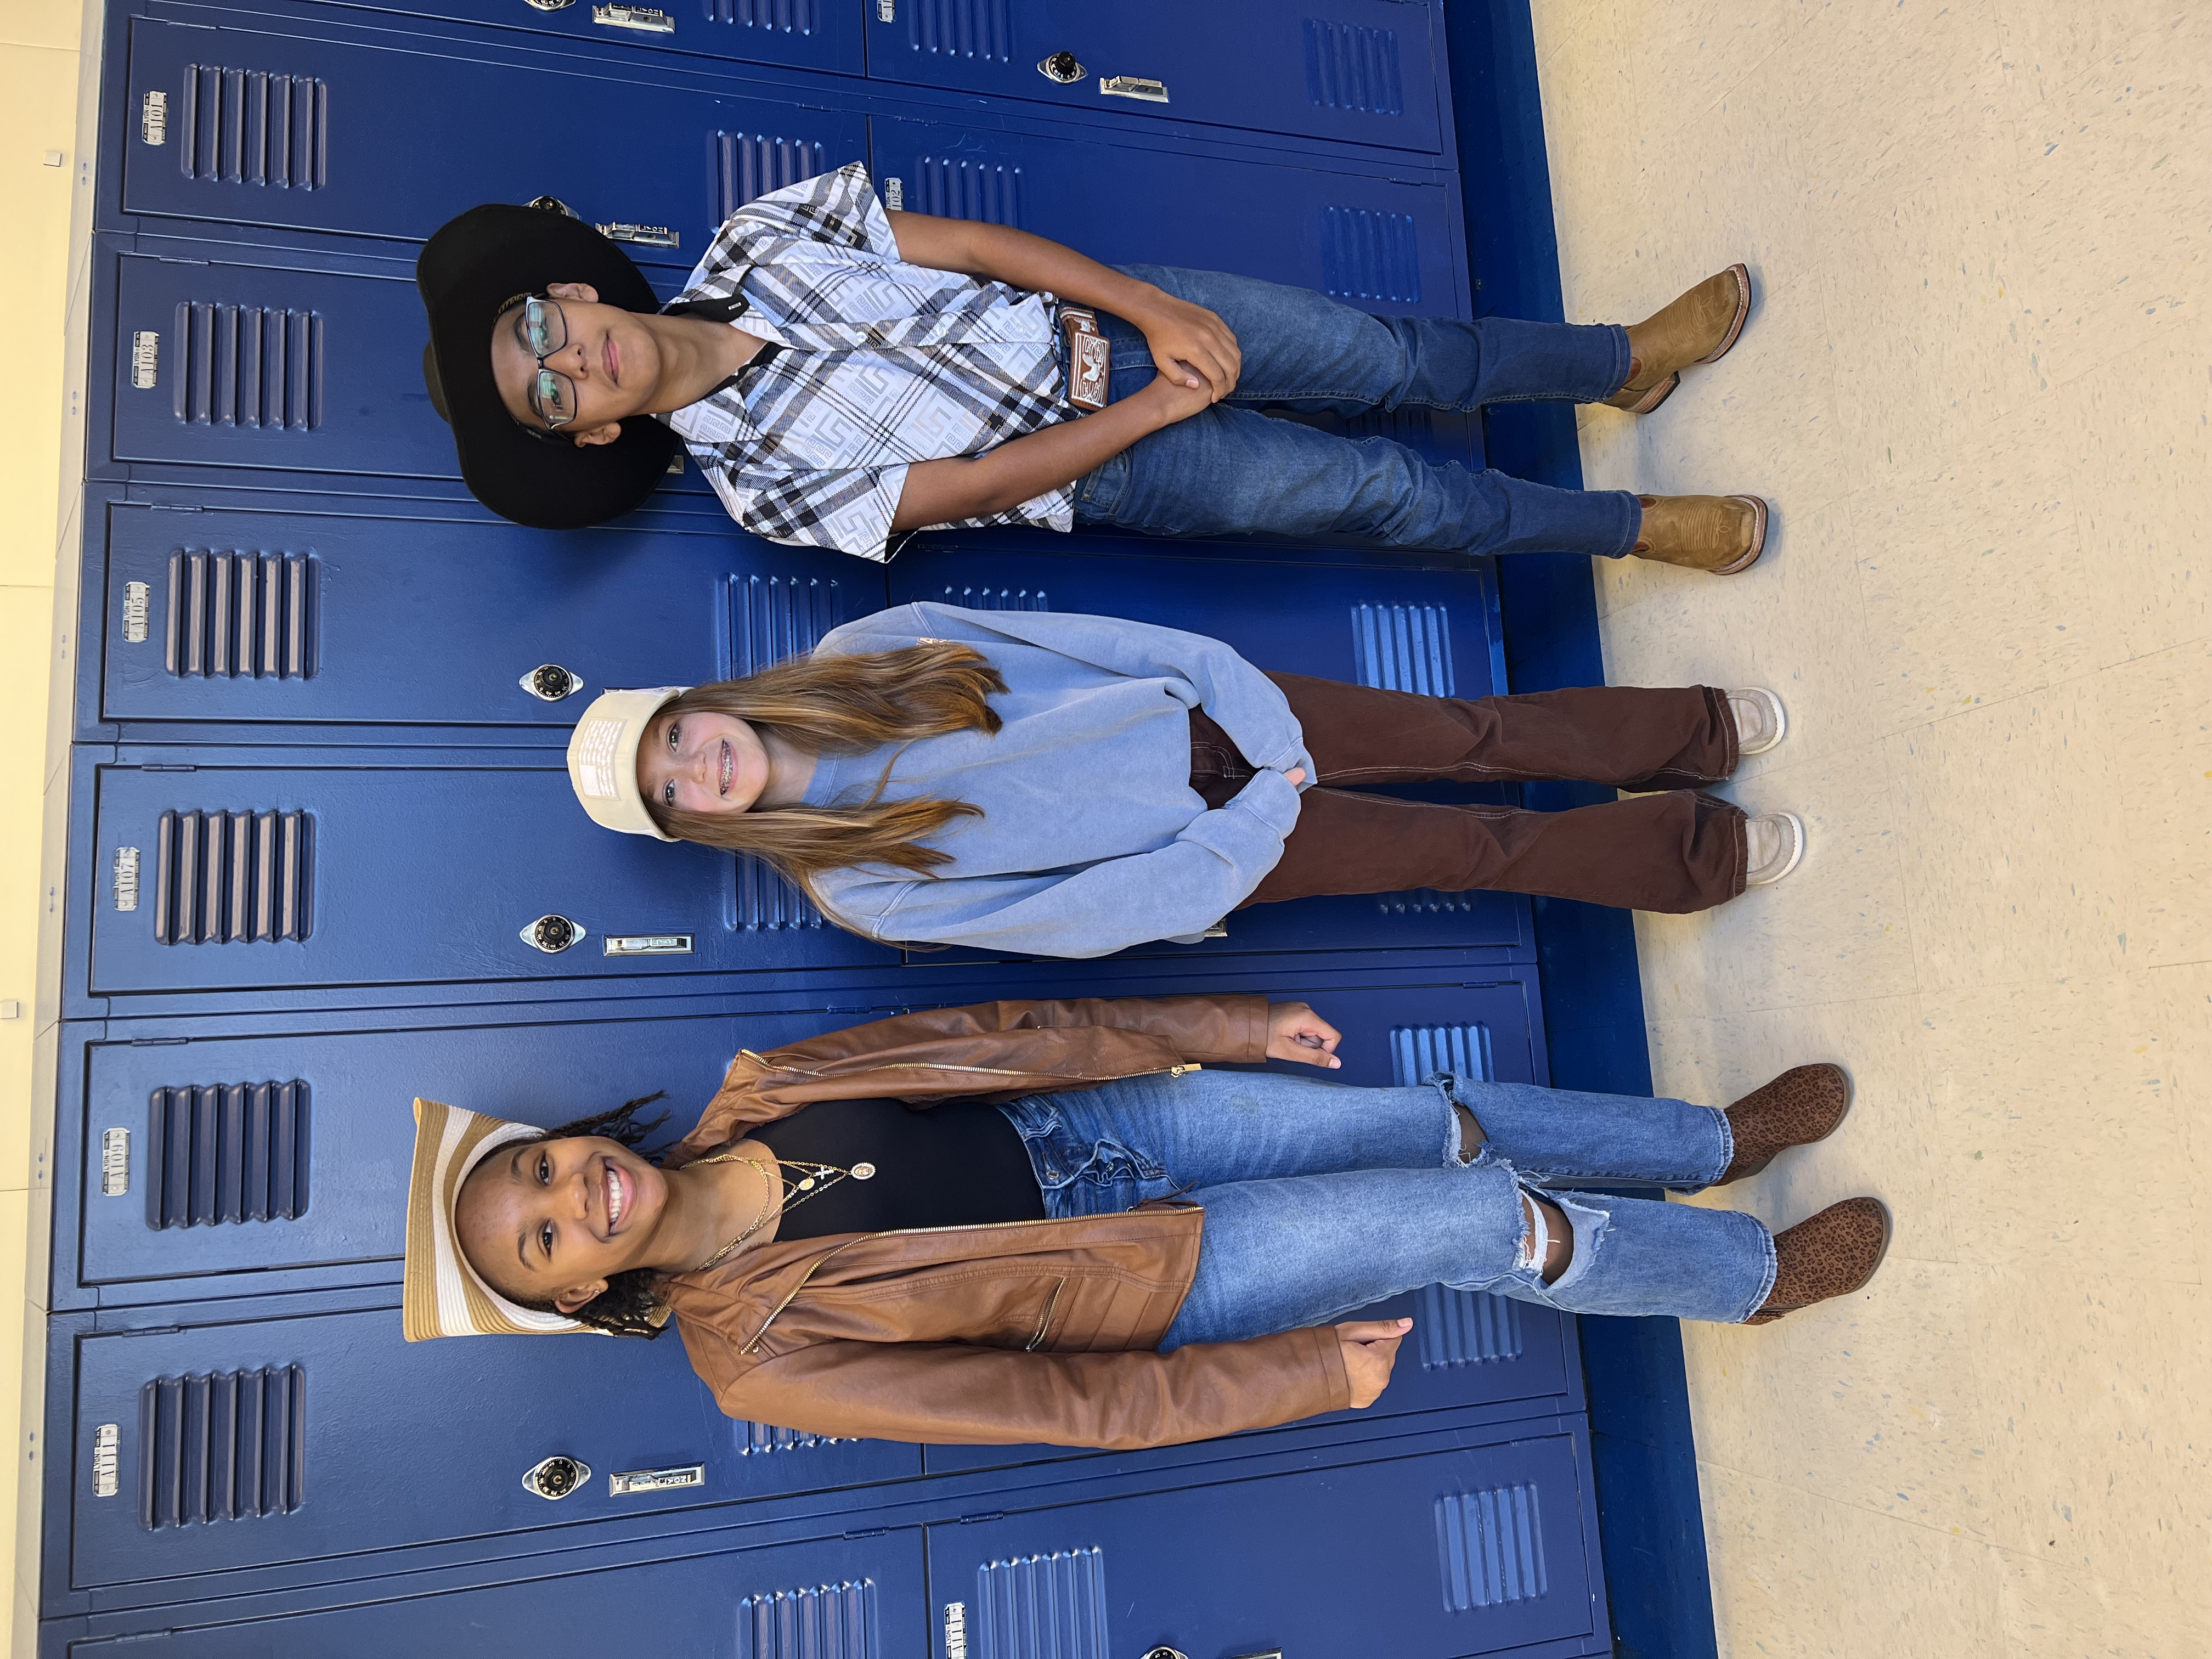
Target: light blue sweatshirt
1091,837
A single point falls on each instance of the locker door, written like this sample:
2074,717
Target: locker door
255,1153
1450,1555
331,1437
255,358
250,876
1411,631
1384,245
1468,1348
282,619
265,127
1362,71
819,34
843,1599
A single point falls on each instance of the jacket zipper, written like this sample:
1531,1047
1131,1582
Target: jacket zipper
1050,1302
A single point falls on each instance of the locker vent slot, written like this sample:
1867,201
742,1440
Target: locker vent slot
221,1447
234,614
1466,1328
1404,648
774,618
1365,255
247,365
756,1438
954,189
1491,1548
768,903
226,1153
829,1621
784,16
961,28
244,127
749,165
1042,1607
1348,67
232,877
1420,1051
1426,902
997,599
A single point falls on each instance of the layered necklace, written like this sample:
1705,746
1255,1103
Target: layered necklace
786,1190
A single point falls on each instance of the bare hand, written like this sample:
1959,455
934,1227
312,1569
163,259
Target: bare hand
1295,1032
1191,346
1371,1349
1172,399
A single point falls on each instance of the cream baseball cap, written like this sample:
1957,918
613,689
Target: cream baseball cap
440,1294
603,757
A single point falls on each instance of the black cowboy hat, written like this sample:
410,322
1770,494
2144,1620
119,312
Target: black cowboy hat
474,263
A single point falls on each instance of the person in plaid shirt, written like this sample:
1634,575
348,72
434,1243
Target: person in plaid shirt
843,375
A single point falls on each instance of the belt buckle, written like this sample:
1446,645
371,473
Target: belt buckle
1088,357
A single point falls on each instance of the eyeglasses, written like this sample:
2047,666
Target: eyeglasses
543,331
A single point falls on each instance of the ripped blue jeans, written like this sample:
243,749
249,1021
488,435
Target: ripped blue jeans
1321,1198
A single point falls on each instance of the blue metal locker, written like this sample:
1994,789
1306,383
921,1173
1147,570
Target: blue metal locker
1385,244
810,35
272,1151
1362,72
267,124
864,1598
322,871
1421,1557
406,629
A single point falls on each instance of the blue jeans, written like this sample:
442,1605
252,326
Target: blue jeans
1320,1198
1231,470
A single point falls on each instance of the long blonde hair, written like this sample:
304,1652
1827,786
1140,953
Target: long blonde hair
844,706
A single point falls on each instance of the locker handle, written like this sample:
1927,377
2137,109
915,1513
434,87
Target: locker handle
1133,86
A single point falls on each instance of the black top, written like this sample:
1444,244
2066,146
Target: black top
957,1165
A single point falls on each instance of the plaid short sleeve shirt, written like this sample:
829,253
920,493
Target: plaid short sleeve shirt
882,364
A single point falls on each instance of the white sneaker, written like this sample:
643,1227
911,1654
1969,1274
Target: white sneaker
1759,719
1774,843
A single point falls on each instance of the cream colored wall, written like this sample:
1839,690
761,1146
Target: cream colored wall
40,58
1979,389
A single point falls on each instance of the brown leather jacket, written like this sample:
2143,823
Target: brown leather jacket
991,1335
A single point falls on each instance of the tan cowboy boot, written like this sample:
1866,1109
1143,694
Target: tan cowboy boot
1804,1104
1698,327
1829,1255
1723,534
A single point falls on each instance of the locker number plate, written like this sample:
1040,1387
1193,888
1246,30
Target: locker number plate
643,1480
154,119
106,1445
1133,86
114,1163
136,596
647,944
145,359
633,17
126,878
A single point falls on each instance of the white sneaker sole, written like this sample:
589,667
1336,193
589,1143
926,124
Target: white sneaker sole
1777,717
1793,828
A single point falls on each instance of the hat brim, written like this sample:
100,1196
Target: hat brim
441,1293
488,255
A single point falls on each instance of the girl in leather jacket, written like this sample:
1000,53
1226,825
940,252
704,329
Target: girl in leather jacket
1063,1222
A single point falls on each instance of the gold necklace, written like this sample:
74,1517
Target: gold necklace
784,1194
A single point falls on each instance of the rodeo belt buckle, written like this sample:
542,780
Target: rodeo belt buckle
1089,356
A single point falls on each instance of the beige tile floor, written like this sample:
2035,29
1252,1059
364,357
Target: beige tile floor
1977,387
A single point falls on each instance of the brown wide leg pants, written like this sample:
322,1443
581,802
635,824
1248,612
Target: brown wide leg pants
1680,851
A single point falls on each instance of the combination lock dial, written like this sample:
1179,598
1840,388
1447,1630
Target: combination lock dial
551,934
556,1477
